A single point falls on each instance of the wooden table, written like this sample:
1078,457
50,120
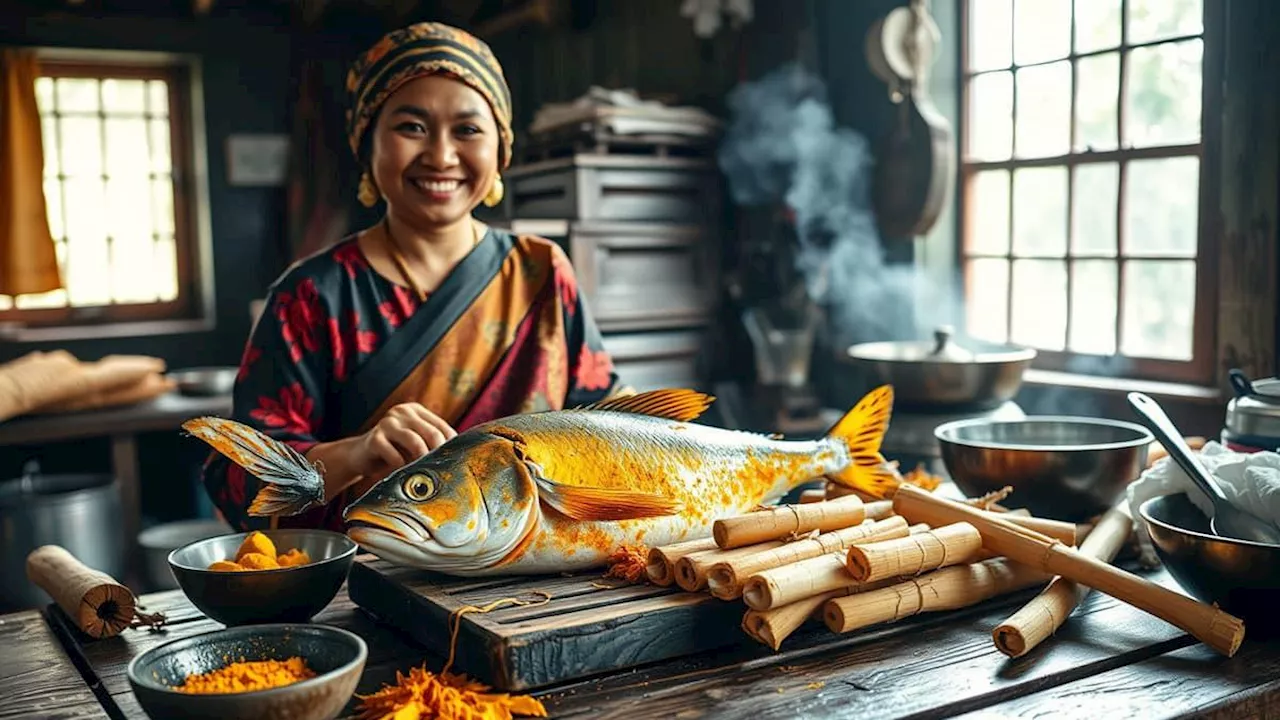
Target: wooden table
121,425
1108,661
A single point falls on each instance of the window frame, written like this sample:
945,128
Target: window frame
193,300
1201,368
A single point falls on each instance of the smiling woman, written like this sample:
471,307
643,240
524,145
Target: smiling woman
374,352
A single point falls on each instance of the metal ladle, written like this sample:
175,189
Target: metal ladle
1228,519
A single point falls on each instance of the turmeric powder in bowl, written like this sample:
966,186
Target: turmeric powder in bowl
257,552
242,676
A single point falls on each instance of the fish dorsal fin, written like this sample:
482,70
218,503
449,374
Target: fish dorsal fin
679,404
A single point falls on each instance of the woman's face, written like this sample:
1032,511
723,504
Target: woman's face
435,151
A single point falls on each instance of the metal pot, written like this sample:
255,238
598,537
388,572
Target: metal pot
1253,415
79,512
944,374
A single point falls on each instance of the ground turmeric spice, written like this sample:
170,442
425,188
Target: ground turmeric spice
244,676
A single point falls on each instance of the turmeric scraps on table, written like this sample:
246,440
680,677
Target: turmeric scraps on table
244,676
629,562
423,695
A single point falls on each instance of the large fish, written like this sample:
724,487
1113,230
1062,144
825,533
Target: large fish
560,490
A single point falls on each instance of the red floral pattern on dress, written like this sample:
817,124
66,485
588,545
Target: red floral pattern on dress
300,315
350,258
291,412
250,356
399,307
566,281
352,343
594,369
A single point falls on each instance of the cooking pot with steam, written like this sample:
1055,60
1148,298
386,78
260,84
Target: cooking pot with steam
944,374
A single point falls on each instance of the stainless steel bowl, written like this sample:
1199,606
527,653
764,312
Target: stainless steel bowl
944,373
1242,577
291,594
336,655
1066,468
205,381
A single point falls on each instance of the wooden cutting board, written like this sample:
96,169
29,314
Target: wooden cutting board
590,625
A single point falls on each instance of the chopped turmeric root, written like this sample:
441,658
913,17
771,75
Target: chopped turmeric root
256,542
258,561
225,566
293,558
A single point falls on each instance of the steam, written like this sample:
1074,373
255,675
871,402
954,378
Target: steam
782,145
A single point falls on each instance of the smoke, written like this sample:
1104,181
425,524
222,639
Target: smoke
782,145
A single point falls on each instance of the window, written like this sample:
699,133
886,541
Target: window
1081,182
116,162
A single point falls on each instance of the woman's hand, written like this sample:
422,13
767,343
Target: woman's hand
407,432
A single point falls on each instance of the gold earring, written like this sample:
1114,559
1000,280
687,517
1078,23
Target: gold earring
495,193
368,193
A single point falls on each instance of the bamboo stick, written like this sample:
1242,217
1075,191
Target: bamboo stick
691,570
1068,533
1215,628
725,579
946,589
812,496
782,521
1041,617
95,602
878,510
661,565
913,554
773,626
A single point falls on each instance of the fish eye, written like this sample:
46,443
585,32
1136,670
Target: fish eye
419,487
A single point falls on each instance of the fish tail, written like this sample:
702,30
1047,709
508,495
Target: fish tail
291,484
861,430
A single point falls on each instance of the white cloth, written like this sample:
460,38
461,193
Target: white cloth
1251,481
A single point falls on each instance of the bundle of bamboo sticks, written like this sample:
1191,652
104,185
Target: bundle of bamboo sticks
853,562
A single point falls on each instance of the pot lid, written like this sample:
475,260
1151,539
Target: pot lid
943,349
1255,410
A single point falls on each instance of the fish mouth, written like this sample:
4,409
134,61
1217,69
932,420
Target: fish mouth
409,531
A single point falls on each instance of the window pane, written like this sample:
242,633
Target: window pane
991,34
1093,307
77,95
1161,201
991,116
1040,212
1155,19
1097,25
987,304
1042,30
160,161
166,266
52,299
162,206
129,207
53,203
49,141
1159,306
86,210
1044,110
1164,94
1093,211
44,97
81,146
127,147
158,100
1040,303
88,282
133,276
989,208
1097,100
124,96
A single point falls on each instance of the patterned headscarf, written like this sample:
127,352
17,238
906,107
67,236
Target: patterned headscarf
425,49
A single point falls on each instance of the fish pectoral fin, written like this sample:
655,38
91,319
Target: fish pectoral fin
679,404
595,503
291,484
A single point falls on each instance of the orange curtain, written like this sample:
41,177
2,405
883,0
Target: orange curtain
28,263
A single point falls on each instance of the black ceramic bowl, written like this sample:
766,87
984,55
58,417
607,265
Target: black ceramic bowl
292,594
1064,468
336,656
1242,577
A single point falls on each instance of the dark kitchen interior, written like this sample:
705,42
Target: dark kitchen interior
670,258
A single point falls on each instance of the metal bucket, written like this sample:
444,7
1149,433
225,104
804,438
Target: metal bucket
79,512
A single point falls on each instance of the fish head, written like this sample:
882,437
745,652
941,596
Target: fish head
466,506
